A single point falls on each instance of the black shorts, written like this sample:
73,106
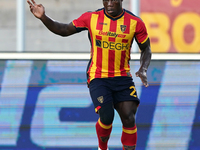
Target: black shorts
112,90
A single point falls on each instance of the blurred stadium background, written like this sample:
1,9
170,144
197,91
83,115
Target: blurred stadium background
44,100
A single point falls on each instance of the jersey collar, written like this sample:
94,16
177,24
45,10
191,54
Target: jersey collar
114,18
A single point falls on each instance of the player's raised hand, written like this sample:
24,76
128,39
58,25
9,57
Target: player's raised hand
37,9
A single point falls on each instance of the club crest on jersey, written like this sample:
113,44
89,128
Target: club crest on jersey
123,28
100,99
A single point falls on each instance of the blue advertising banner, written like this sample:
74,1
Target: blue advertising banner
46,105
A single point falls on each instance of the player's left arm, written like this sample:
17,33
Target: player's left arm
145,59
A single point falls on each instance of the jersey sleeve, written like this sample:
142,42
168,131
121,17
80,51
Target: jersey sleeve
83,22
141,34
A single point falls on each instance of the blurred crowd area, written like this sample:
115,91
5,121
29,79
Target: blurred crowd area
38,38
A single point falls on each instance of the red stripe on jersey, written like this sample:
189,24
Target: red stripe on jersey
127,22
113,26
99,63
111,39
111,64
100,22
123,71
124,40
98,37
111,60
111,55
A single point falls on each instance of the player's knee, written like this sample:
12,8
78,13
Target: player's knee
107,119
128,120
106,114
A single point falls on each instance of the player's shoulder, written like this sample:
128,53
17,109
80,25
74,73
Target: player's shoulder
99,10
131,15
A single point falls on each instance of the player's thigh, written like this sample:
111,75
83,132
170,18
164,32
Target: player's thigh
126,103
126,92
126,108
100,93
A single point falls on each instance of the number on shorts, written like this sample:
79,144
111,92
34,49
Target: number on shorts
133,93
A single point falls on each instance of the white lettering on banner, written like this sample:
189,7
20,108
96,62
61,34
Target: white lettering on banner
176,106
12,99
48,130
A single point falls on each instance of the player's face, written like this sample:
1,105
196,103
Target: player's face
113,7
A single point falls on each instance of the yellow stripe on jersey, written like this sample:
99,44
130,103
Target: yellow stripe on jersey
117,52
133,24
106,28
93,25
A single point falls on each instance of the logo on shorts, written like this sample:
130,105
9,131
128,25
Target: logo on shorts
100,99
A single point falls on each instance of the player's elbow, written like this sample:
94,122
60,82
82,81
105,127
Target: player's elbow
63,34
67,31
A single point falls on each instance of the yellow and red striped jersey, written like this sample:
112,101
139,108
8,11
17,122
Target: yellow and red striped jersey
111,39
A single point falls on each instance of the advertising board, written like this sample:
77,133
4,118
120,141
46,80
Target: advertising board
46,105
173,25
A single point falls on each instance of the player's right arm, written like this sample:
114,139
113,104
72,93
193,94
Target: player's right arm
61,29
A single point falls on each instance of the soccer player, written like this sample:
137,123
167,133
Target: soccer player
112,30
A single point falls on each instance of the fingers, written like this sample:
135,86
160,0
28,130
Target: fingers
143,79
31,4
145,84
34,3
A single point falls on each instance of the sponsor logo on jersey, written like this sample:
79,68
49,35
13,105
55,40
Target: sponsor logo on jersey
112,45
111,34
